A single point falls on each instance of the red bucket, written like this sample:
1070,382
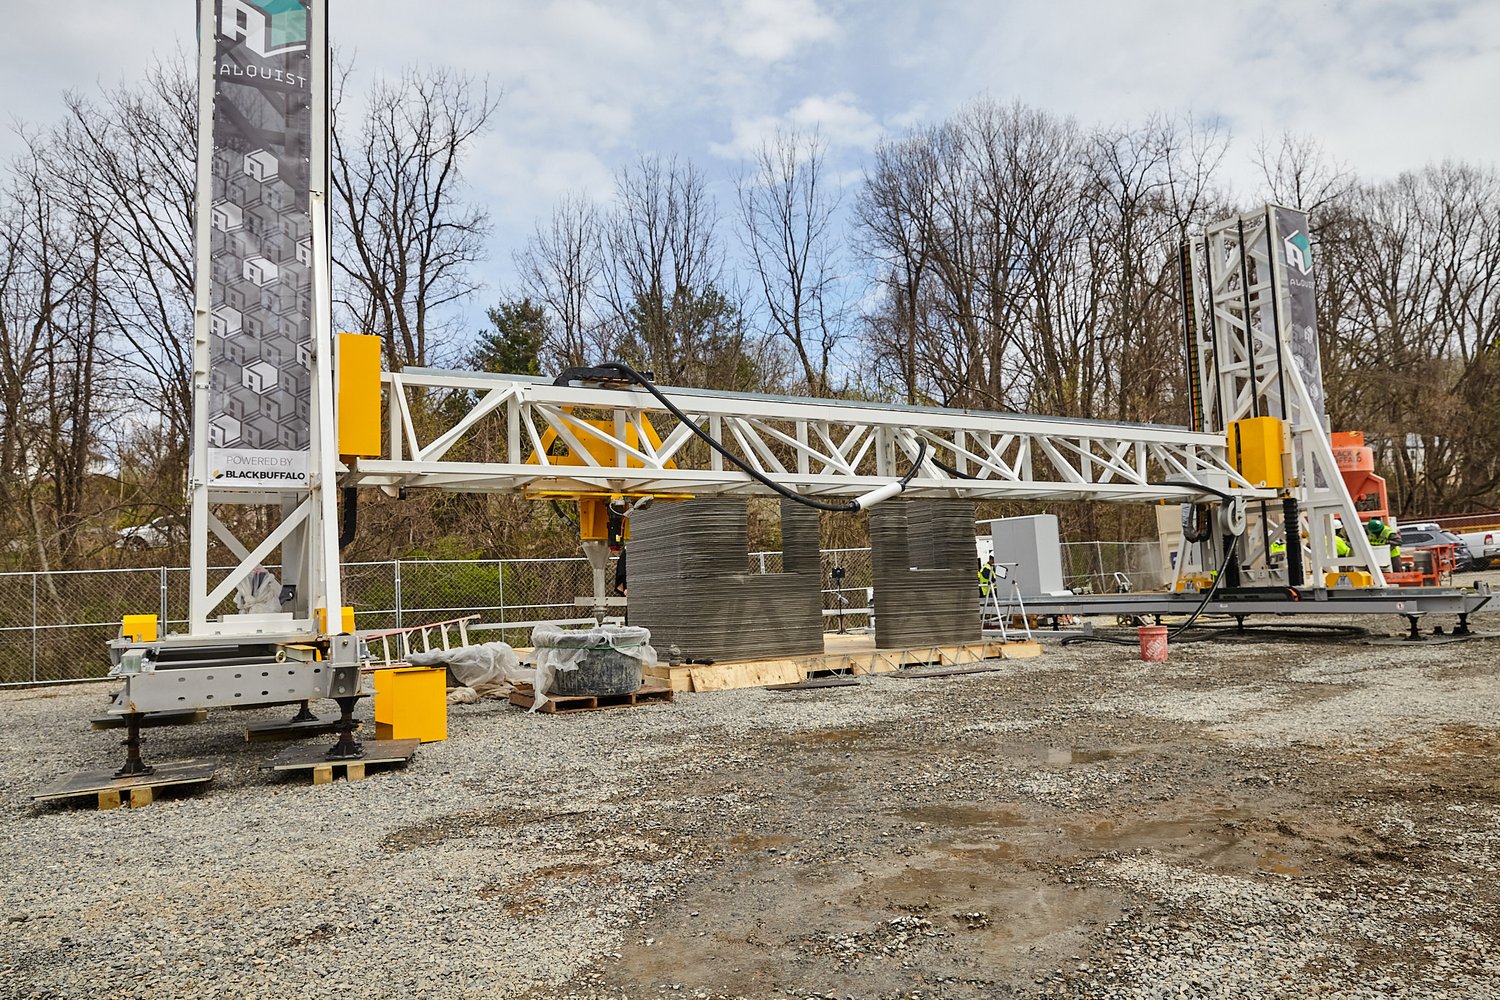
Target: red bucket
1153,643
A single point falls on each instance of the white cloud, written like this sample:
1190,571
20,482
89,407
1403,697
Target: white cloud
772,30
837,118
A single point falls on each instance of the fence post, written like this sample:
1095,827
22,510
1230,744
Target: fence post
163,613
33,628
500,569
397,565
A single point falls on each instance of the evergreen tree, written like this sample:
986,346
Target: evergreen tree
513,344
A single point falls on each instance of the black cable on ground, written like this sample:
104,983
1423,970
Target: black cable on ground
1262,632
868,500
1214,589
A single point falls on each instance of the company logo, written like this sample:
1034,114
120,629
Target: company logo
1299,251
268,27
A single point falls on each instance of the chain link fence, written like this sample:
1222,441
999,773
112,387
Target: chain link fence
1111,567
55,627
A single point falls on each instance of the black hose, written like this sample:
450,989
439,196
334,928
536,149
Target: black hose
630,374
1265,632
1213,589
351,517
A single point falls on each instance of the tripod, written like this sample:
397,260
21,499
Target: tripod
1013,600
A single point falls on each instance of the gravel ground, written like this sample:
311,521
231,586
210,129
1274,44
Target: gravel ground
1251,819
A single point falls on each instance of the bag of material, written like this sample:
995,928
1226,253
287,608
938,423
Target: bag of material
490,668
258,593
561,651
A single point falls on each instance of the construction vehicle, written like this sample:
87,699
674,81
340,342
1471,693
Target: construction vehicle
290,417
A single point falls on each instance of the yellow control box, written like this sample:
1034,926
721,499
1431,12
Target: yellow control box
1357,579
358,409
346,620
411,703
138,628
1257,448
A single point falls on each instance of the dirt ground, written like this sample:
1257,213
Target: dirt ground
1251,819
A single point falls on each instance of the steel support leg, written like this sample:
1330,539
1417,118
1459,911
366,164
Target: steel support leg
346,748
134,766
304,714
1415,634
1462,628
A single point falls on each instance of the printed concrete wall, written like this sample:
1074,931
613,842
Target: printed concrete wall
689,585
924,564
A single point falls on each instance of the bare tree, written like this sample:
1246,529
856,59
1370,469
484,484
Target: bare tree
123,162
665,281
788,213
894,213
1299,173
407,238
37,277
561,267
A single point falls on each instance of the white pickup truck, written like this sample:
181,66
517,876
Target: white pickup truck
1484,547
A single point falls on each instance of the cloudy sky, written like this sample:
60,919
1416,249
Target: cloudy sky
1385,85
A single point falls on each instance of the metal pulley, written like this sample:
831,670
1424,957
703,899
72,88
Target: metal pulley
1232,517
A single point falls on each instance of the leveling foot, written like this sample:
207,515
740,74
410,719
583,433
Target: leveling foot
346,748
134,765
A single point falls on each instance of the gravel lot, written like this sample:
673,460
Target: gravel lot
1251,819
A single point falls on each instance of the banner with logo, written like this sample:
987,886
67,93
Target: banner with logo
1290,239
261,247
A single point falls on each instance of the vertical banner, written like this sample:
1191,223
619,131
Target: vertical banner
261,265
1290,239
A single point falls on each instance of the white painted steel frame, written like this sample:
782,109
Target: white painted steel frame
1246,359
308,530
820,448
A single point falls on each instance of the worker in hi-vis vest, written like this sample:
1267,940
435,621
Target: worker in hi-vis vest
1380,533
986,577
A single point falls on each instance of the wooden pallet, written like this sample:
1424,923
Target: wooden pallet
313,758
562,704
136,791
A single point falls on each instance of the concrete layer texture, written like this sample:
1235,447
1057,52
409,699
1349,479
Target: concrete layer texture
924,562
689,582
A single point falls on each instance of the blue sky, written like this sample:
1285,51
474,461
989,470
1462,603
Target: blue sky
589,86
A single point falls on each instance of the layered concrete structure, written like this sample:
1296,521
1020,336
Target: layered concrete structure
924,563
689,583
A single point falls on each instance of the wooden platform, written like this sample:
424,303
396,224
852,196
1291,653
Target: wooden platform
152,720
843,654
136,791
271,732
561,704
313,757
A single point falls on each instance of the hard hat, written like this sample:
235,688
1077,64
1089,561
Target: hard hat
1375,522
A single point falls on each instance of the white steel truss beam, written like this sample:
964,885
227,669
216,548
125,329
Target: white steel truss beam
823,448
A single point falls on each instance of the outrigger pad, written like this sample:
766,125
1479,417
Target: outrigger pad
194,771
308,756
152,720
266,732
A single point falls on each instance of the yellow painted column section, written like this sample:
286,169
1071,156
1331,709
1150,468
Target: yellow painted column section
358,407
